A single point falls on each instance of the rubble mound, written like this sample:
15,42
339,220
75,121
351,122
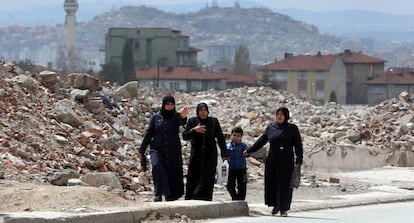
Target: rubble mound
55,131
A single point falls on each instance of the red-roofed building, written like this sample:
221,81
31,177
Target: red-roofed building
316,77
181,78
240,80
323,78
360,68
395,81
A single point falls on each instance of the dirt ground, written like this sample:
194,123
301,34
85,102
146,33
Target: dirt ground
17,196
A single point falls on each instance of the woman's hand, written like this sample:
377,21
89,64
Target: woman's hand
200,128
184,112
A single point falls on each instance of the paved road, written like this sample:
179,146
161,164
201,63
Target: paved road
381,213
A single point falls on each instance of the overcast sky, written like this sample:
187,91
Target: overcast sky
388,6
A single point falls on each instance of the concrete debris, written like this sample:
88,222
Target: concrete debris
50,127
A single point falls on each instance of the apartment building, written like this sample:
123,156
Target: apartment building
151,47
317,77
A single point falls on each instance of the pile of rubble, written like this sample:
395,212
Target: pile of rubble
59,131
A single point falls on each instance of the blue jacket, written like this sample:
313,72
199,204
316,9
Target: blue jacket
235,155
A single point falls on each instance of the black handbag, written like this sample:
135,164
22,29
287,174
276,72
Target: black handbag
295,181
144,162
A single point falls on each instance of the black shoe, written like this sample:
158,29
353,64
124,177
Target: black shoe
275,210
283,213
157,198
169,198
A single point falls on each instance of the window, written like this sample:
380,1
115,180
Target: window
302,77
280,76
320,77
196,85
302,82
320,95
175,85
136,44
371,72
377,90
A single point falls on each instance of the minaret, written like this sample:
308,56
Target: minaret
70,6
214,4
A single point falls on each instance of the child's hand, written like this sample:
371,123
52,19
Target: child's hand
245,153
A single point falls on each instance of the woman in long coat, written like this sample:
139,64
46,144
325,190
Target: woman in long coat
166,159
285,143
203,131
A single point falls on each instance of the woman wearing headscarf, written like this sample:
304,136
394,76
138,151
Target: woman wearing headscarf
166,159
205,133
285,145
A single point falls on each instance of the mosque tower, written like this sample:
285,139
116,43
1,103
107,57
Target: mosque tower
70,6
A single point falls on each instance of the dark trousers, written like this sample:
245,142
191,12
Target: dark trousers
238,176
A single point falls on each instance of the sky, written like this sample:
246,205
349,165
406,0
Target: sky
398,7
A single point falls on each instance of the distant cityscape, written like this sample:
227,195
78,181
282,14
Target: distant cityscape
46,45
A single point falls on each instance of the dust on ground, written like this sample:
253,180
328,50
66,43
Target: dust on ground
20,196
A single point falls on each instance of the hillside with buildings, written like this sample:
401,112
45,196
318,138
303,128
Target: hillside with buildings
267,34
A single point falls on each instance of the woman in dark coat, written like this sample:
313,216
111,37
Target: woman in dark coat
203,132
285,143
163,138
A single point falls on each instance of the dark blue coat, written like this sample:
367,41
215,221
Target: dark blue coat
166,159
235,154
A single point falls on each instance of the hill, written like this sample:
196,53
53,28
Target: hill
358,23
267,34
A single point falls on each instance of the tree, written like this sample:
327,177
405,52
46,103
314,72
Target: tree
242,60
110,72
128,67
26,65
264,78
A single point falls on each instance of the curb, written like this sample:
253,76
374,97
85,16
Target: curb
191,209
342,201
201,209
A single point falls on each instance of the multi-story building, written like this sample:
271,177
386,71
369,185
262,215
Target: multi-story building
151,47
343,76
316,77
394,81
360,68
221,54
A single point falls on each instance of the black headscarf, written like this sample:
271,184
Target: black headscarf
165,113
199,106
285,112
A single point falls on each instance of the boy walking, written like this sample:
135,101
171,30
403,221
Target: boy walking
237,165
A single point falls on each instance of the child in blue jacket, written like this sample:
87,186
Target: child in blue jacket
237,165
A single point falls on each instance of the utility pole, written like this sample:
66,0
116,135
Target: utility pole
158,73
312,91
160,59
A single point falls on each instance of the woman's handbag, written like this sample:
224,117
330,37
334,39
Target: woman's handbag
295,181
